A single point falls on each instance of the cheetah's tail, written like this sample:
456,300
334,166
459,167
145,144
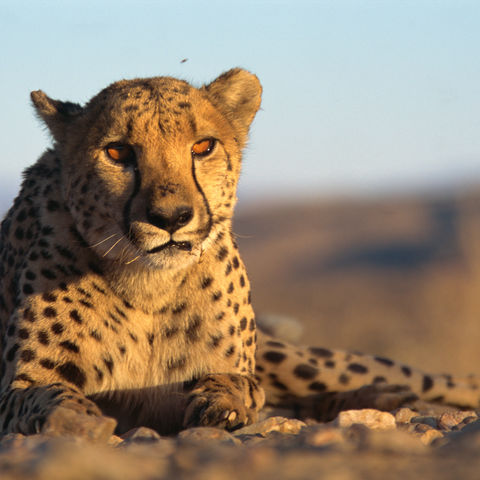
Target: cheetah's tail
287,371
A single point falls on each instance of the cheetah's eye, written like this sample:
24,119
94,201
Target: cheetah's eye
120,153
203,147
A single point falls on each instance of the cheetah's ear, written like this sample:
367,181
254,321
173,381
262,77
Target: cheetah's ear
237,94
57,115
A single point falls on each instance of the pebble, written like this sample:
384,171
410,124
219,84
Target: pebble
451,419
277,424
373,419
207,434
404,415
427,444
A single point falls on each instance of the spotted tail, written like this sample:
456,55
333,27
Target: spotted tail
286,371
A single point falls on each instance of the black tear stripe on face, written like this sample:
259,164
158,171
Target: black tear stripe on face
126,209
205,201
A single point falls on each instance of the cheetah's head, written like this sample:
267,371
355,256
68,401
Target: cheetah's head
150,166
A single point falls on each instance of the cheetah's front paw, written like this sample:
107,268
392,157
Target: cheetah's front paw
223,400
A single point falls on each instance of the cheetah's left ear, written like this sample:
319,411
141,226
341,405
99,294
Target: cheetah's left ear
57,115
237,94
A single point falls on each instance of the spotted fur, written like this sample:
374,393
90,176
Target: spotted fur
122,290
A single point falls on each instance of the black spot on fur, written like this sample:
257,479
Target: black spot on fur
169,332
50,312
96,335
206,282
305,371
320,352
230,351
27,355
427,383
109,364
407,371
179,308
43,337
317,387
23,333
49,297
222,253
57,328
98,373
216,296
76,317
46,363
192,331
48,273
71,373
243,324
343,379
357,368
379,379
274,357
29,315
384,361
70,346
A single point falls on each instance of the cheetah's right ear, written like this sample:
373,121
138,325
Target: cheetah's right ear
237,93
57,115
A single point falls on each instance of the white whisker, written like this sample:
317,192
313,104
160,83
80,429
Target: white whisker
113,246
104,240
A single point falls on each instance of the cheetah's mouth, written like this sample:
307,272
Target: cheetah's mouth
186,246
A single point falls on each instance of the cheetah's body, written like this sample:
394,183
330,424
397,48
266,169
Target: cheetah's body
122,283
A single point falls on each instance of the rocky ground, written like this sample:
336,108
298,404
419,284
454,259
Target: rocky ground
423,441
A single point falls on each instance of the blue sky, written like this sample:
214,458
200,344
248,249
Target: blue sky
359,96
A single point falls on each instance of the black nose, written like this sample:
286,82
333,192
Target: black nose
170,220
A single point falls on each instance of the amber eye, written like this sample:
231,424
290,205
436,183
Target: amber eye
203,147
120,153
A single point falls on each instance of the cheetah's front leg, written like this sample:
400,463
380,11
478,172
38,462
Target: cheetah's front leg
56,410
224,400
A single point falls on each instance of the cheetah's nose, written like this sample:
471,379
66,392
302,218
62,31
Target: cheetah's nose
170,220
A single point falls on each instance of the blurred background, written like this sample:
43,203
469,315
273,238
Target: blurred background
359,209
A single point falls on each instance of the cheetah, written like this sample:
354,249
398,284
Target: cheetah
123,298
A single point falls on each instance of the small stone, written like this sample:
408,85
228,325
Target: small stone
114,441
450,419
65,421
322,435
205,434
141,435
373,419
431,421
430,435
404,415
272,424
421,428
395,442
